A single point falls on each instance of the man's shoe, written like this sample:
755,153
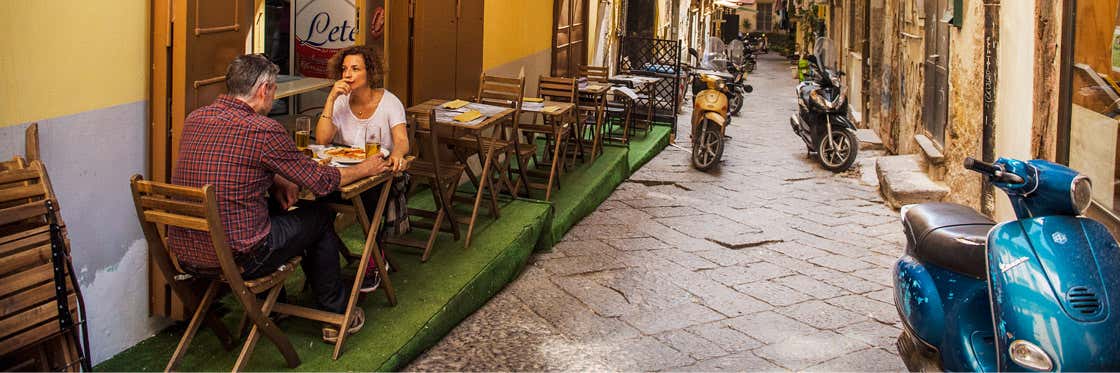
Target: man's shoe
330,332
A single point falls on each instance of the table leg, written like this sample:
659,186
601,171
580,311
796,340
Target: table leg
369,249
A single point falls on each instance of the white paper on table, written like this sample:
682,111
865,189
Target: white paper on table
625,90
532,106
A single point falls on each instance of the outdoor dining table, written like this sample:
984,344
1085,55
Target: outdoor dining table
492,115
597,96
353,192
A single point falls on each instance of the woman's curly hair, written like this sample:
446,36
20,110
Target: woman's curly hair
375,69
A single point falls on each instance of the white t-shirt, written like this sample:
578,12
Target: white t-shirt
348,128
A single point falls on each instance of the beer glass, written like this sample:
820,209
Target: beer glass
372,143
303,132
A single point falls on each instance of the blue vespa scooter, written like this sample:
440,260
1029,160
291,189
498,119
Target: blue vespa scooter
1041,293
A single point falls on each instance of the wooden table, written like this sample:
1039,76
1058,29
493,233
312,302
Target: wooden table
597,92
420,113
353,193
563,114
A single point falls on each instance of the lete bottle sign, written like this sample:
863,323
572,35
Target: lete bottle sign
323,27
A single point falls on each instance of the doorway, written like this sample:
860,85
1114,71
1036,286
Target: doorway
569,37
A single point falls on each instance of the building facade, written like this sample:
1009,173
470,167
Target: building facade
950,79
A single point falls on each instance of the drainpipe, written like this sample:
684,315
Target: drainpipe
988,134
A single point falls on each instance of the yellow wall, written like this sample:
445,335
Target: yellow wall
62,57
515,29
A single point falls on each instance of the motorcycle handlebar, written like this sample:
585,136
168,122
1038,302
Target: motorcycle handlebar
996,172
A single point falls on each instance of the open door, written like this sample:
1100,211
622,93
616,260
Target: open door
193,42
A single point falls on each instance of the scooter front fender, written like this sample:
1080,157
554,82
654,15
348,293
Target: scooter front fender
1053,283
715,117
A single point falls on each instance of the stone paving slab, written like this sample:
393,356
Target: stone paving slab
767,263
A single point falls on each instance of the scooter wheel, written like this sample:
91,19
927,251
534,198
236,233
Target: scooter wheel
707,146
837,151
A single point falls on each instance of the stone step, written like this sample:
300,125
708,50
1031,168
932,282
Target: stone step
868,139
903,181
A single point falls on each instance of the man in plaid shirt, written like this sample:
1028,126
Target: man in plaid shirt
233,146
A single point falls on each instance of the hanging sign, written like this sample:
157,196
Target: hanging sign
323,27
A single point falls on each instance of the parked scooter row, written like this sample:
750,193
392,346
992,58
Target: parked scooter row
717,60
1040,293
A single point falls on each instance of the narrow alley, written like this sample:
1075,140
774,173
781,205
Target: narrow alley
768,263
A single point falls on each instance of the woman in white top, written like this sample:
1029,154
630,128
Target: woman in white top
359,109
359,105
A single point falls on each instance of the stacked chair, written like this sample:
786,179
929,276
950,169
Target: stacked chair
42,311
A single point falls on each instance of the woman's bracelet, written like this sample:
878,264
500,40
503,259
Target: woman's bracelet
324,117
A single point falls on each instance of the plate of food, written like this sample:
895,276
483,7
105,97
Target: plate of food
344,155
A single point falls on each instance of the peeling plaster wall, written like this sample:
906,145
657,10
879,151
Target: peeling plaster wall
964,133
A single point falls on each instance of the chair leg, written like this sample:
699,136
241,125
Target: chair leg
196,321
442,195
432,237
264,324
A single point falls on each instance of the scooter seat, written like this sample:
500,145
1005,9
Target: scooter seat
948,235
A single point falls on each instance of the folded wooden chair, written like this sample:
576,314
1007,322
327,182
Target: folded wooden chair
557,132
159,205
42,312
441,176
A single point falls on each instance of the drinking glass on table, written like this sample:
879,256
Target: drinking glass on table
372,145
303,132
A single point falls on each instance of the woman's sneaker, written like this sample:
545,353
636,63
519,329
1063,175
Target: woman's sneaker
372,278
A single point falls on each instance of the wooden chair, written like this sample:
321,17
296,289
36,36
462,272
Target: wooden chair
617,110
160,205
506,92
556,131
590,127
442,178
41,307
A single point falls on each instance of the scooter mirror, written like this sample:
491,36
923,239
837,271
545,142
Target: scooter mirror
841,73
748,88
811,58
693,52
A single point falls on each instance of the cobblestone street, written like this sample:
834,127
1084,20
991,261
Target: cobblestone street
768,263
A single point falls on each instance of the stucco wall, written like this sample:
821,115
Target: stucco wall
964,130
80,69
1015,94
516,34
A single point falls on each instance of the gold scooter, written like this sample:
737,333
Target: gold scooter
709,120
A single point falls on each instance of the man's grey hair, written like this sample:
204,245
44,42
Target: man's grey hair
249,72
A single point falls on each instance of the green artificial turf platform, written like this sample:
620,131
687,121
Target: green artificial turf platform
644,148
433,297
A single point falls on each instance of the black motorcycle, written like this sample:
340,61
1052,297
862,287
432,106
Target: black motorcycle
727,62
822,116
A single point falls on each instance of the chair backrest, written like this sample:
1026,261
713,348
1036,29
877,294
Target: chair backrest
503,91
418,137
29,303
161,205
557,89
594,73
